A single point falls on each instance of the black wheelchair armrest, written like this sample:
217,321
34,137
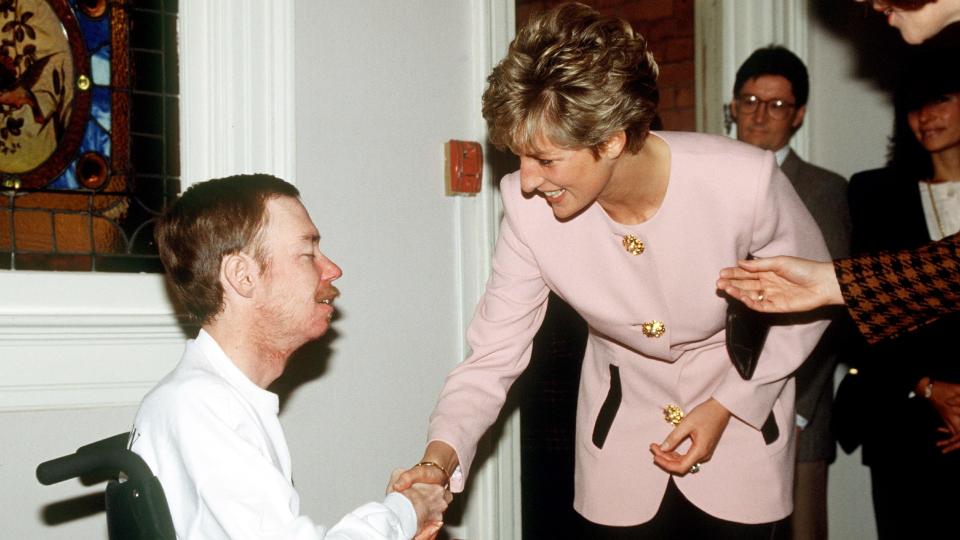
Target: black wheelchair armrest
135,502
108,456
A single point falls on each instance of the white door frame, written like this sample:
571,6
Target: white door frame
494,488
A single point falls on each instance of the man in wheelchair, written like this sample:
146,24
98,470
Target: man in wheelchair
243,258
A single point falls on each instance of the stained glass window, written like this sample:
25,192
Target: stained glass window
88,132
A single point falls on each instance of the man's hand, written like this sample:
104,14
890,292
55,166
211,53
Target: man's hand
945,398
430,502
430,531
422,482
704,426
782,284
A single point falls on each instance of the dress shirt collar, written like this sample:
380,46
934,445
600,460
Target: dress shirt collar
781,155
224,366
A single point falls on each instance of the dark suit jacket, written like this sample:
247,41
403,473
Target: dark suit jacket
824,193
886,211
888,215
889,293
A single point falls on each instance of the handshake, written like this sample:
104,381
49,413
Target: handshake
427,486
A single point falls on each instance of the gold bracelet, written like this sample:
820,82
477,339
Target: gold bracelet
437,465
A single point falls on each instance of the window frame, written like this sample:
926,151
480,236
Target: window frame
87,339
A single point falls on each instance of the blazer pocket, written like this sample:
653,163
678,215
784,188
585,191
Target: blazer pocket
770,430
608,411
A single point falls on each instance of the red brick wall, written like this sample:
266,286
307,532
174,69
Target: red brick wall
668,27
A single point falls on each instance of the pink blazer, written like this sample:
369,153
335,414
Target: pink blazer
724,200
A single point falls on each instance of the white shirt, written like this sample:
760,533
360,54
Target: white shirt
941,206
214,440
781,155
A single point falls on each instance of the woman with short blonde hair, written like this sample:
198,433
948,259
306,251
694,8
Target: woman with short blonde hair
630,227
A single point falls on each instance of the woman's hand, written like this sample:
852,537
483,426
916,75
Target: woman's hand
782,284
945,398
704,426
438,463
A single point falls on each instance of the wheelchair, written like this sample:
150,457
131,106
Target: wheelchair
135,503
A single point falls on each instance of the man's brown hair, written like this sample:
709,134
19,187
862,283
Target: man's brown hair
209,221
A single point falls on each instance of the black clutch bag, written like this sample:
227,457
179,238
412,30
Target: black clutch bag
746,332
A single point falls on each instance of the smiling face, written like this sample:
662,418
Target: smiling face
916,25
759,127
937,124
294,302
569,180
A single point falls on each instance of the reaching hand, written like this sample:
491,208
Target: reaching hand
704,426
949,444
945,398
438,463
782,284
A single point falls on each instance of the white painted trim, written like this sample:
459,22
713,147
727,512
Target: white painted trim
88,329
54,326
708,28
494,504
72,396
236,115
727,32
237,88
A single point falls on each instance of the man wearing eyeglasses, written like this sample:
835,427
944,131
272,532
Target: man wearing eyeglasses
769,102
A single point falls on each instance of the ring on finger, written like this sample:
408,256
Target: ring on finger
695,469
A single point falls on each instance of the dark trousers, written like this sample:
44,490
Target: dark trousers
915,502
679,518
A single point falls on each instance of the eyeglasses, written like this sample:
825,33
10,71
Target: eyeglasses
776,108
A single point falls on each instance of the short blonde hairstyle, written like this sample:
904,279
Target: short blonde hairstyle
574,77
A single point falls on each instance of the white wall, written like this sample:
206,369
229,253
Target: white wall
34,436
849,117
380,87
